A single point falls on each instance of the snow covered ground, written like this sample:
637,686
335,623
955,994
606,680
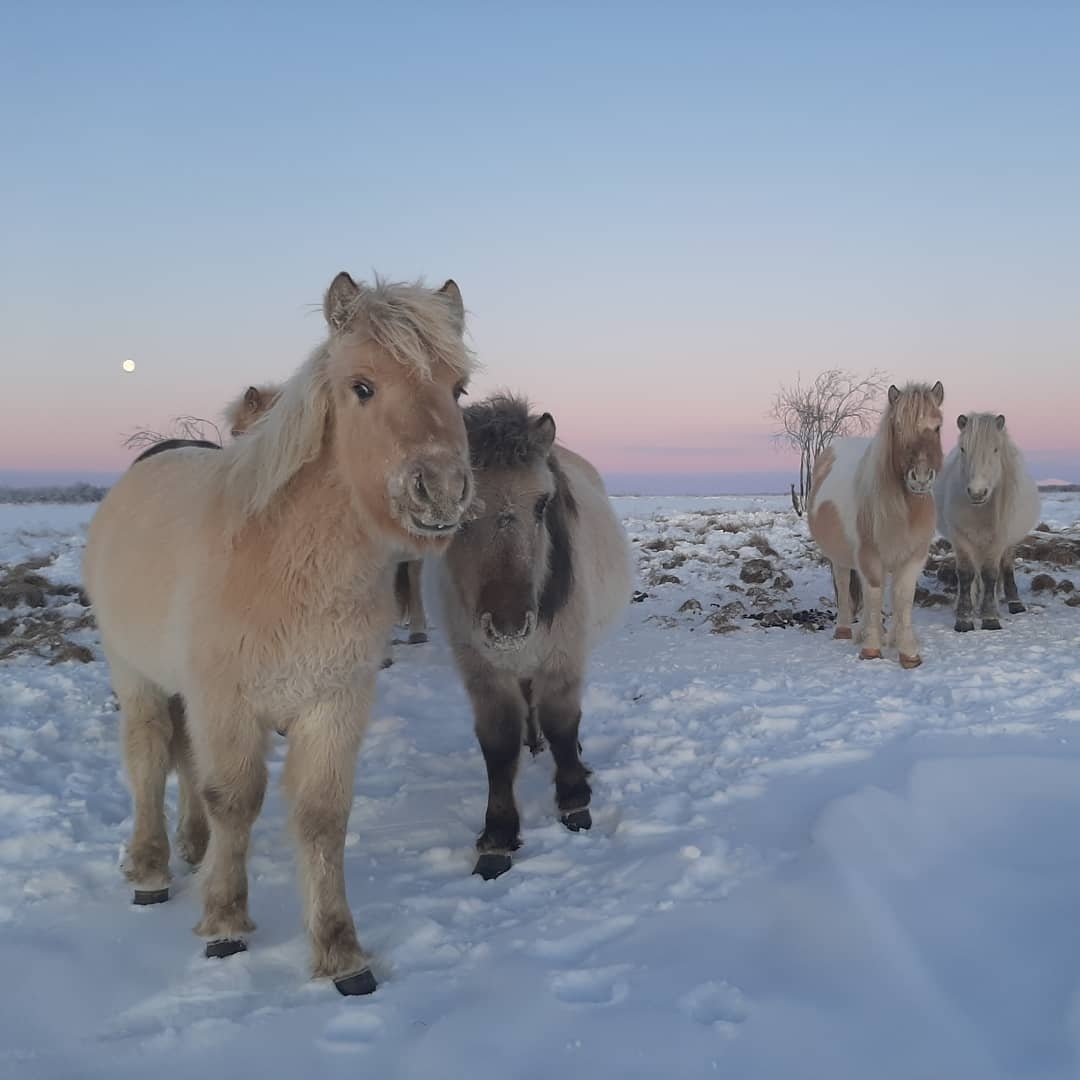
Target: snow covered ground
802,865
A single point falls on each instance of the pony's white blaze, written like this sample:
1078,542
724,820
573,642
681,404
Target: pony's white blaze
986,504
871,512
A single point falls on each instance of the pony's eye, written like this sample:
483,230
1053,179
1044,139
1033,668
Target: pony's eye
541,506
460,392
363,390
937,430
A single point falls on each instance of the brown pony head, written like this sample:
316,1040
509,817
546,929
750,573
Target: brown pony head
253,403
912,430
511,563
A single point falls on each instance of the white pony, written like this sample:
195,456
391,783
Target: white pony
871,510
986,504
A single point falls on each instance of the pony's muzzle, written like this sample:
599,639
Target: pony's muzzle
438,493
978,495
504,636
920,485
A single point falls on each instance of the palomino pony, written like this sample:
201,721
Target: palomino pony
254,581
986,504
537,573
244,411
871,509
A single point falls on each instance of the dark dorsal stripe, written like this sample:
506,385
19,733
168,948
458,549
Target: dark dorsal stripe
174,444
560,577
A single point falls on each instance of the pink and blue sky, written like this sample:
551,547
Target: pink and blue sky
656,213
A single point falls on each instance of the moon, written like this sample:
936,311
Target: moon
128,365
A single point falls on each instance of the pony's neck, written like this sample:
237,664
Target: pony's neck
321,533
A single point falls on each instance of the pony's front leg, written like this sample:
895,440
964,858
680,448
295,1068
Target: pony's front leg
904,581
965,580
500,714
558,707
988,612
229,750
418,628
871,630
1008,580
319,771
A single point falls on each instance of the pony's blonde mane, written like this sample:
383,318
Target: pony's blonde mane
415,326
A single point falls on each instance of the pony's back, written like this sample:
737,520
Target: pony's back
602,553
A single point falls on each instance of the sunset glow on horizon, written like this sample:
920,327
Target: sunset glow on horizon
655,217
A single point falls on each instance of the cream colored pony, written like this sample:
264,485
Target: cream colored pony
986,504
871,509
254,581
535,577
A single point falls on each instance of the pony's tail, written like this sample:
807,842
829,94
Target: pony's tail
401,589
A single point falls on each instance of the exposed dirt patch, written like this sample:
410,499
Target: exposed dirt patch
44,630
1054,550
756,571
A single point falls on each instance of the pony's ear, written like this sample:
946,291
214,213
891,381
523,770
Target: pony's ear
1000,421
544,431
893,395
937,393
339,299
961,421
252,399
457,307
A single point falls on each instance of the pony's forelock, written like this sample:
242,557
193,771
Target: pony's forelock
413,323
502,433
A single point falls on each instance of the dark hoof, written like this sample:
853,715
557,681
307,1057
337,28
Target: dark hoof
362,982
416,639
1015,607
143,897
991,624
218,950
388,662
842,633
577,820
909,662
962,626
869,654
492,864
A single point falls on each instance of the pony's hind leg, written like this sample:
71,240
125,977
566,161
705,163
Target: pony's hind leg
229,749
418,628
1008,579
147,733
500,713
845,608
558,706
192,830
988,611
319,771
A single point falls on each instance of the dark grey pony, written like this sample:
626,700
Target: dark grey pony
529,586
